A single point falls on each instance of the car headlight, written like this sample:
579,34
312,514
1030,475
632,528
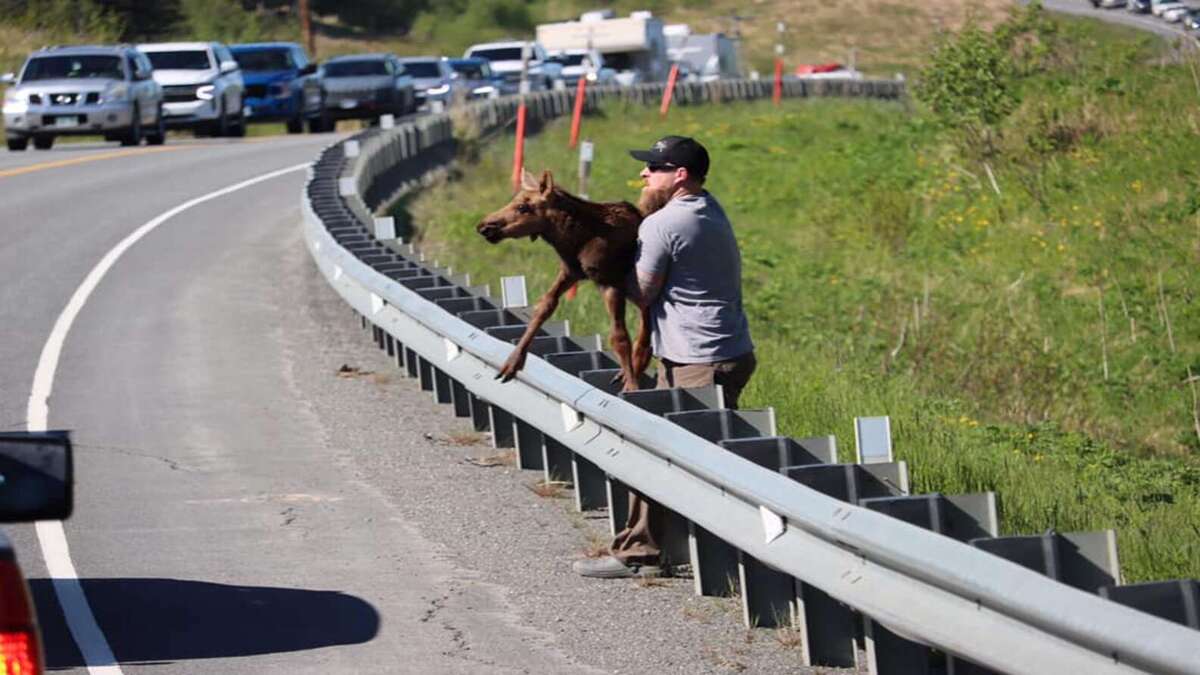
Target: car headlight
206,92
592,76
438,91
117,92
483,91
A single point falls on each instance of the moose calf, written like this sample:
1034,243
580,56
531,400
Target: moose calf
596,241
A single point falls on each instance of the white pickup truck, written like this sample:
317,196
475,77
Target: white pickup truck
508,59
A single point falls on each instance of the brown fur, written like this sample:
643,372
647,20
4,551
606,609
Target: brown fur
595,241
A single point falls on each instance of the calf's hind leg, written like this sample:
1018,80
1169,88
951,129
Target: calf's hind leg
614,301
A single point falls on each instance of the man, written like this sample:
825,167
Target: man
689,273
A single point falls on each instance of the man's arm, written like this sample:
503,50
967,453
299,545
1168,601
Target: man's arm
643,288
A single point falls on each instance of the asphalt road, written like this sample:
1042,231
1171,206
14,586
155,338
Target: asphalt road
242,509
1144,22
213,531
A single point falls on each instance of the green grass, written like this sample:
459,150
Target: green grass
884,275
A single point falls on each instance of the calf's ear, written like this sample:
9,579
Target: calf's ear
547,185
528,181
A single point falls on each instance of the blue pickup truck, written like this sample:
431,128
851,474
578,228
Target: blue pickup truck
282,84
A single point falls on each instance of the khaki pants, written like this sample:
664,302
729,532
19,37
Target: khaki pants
639,541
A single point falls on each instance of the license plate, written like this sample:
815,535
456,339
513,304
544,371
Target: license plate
66,122
349,103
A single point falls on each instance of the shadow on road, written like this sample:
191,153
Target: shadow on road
162,620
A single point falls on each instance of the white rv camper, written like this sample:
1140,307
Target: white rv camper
633,46
707,57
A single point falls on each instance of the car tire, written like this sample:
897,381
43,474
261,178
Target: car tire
43,142
17,143
237,128
321,124
220,126
295,125
159,135
133,136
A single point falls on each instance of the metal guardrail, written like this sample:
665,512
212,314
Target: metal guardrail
974,606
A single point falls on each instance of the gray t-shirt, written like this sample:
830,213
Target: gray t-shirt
698,316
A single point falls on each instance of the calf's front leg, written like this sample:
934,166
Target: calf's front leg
545,307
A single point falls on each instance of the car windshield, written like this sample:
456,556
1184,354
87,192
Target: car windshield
191,59
73,67
472,71
571,59
264,60
503,54
422,68
355,68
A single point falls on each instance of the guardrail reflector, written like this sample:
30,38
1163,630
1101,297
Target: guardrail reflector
452,350
512,292
572,418
351,148
376,304
386,121
347,187
385,228
773,525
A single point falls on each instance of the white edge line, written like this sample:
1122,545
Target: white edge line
51,536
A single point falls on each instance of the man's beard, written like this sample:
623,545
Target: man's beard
653,200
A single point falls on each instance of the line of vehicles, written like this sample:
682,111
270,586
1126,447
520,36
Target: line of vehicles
1171,11
134,94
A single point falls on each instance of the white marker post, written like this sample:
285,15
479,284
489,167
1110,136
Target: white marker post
586,154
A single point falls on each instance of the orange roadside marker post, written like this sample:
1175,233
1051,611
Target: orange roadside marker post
670,89
519,149
777,94
577,115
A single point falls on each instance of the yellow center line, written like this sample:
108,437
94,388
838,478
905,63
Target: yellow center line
89,158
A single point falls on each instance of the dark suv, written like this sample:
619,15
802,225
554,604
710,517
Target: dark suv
365,86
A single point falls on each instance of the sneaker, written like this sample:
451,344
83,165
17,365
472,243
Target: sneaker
608,567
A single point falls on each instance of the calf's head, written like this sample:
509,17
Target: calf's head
525,215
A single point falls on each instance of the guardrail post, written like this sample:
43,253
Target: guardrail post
1085,560
768,595
1177,600
557,459
961,517
714,562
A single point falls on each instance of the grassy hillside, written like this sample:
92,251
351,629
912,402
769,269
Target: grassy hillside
1034,339
889,35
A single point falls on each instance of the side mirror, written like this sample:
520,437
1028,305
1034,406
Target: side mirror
308,69
36,476
229,66
8,78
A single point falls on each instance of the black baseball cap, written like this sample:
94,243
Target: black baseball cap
676,151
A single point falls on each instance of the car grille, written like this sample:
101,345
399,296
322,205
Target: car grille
65,98
356,95
256,91
179,93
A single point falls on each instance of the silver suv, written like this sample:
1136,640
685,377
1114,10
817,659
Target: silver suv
64,91
202,86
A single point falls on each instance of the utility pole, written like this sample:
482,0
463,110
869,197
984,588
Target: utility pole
306,30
